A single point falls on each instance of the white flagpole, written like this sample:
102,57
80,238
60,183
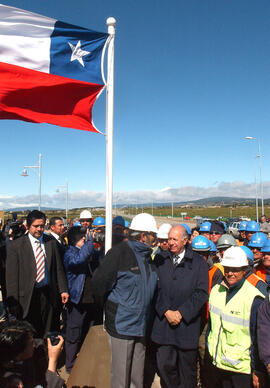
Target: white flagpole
109,134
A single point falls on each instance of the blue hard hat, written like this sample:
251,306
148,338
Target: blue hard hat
258,240
127,224
118,220
200,243
98,222
77,223
205,226
187,228
242,226
252,226
266,247
248,252
213,247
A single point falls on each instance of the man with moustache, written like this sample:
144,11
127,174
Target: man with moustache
35,277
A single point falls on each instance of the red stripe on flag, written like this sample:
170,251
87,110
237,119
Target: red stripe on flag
38,97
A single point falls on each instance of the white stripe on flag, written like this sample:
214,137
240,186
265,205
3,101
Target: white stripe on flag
25,38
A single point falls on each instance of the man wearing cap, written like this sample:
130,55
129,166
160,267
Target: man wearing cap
256,242
216,231
242,239
205,229
251,228
86,220
263,270
182,292
233,307
125,282
162,237
118,227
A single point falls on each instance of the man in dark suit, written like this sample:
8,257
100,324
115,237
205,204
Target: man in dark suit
182,292
57,229
35,277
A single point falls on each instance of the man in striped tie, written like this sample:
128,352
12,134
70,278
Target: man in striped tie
36,280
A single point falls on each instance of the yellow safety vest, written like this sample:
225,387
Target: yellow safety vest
229,339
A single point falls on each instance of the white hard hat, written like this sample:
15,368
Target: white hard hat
163,231
85,214
144,222
234,257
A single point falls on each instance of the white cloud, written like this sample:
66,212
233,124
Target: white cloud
91,198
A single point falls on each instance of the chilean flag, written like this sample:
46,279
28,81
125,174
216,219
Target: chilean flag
50,71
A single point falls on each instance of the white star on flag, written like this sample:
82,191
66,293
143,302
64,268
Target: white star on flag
78,53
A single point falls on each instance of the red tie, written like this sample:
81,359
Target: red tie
40,263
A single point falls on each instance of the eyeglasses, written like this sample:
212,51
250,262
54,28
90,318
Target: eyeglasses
215,233
152,234
255,248
232,269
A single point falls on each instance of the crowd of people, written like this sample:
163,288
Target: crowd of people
189,305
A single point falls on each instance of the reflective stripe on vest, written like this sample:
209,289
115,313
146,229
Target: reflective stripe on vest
229,338
229,318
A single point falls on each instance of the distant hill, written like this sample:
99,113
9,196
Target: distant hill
30,208
211,201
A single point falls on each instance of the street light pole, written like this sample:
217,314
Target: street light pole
256,188
260,165
25,174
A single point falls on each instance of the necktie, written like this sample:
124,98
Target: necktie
175,260
40,263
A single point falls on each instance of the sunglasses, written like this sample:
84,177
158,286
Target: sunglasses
232,269
215,233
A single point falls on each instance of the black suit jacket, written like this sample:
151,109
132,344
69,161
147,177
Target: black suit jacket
21,273
61,247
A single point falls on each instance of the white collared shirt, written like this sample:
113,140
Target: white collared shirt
34,245
56,237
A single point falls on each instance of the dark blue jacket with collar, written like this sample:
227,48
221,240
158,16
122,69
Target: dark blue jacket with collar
183,288
126,281
77,265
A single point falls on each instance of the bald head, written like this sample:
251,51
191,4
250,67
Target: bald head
177,240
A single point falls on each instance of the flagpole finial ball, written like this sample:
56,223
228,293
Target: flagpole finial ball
111,25
111,21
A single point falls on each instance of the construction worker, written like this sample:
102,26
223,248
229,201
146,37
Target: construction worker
263,270
98,232
242,239
162,238
126,282
85,221
205,229
216,231
118,228
251,277
202,246
194,233
256,242
251,228
233,306
224,242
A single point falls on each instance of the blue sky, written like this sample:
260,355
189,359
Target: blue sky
192,79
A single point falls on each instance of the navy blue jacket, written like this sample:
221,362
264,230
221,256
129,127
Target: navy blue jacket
263,328
183,288
126,282
77,265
